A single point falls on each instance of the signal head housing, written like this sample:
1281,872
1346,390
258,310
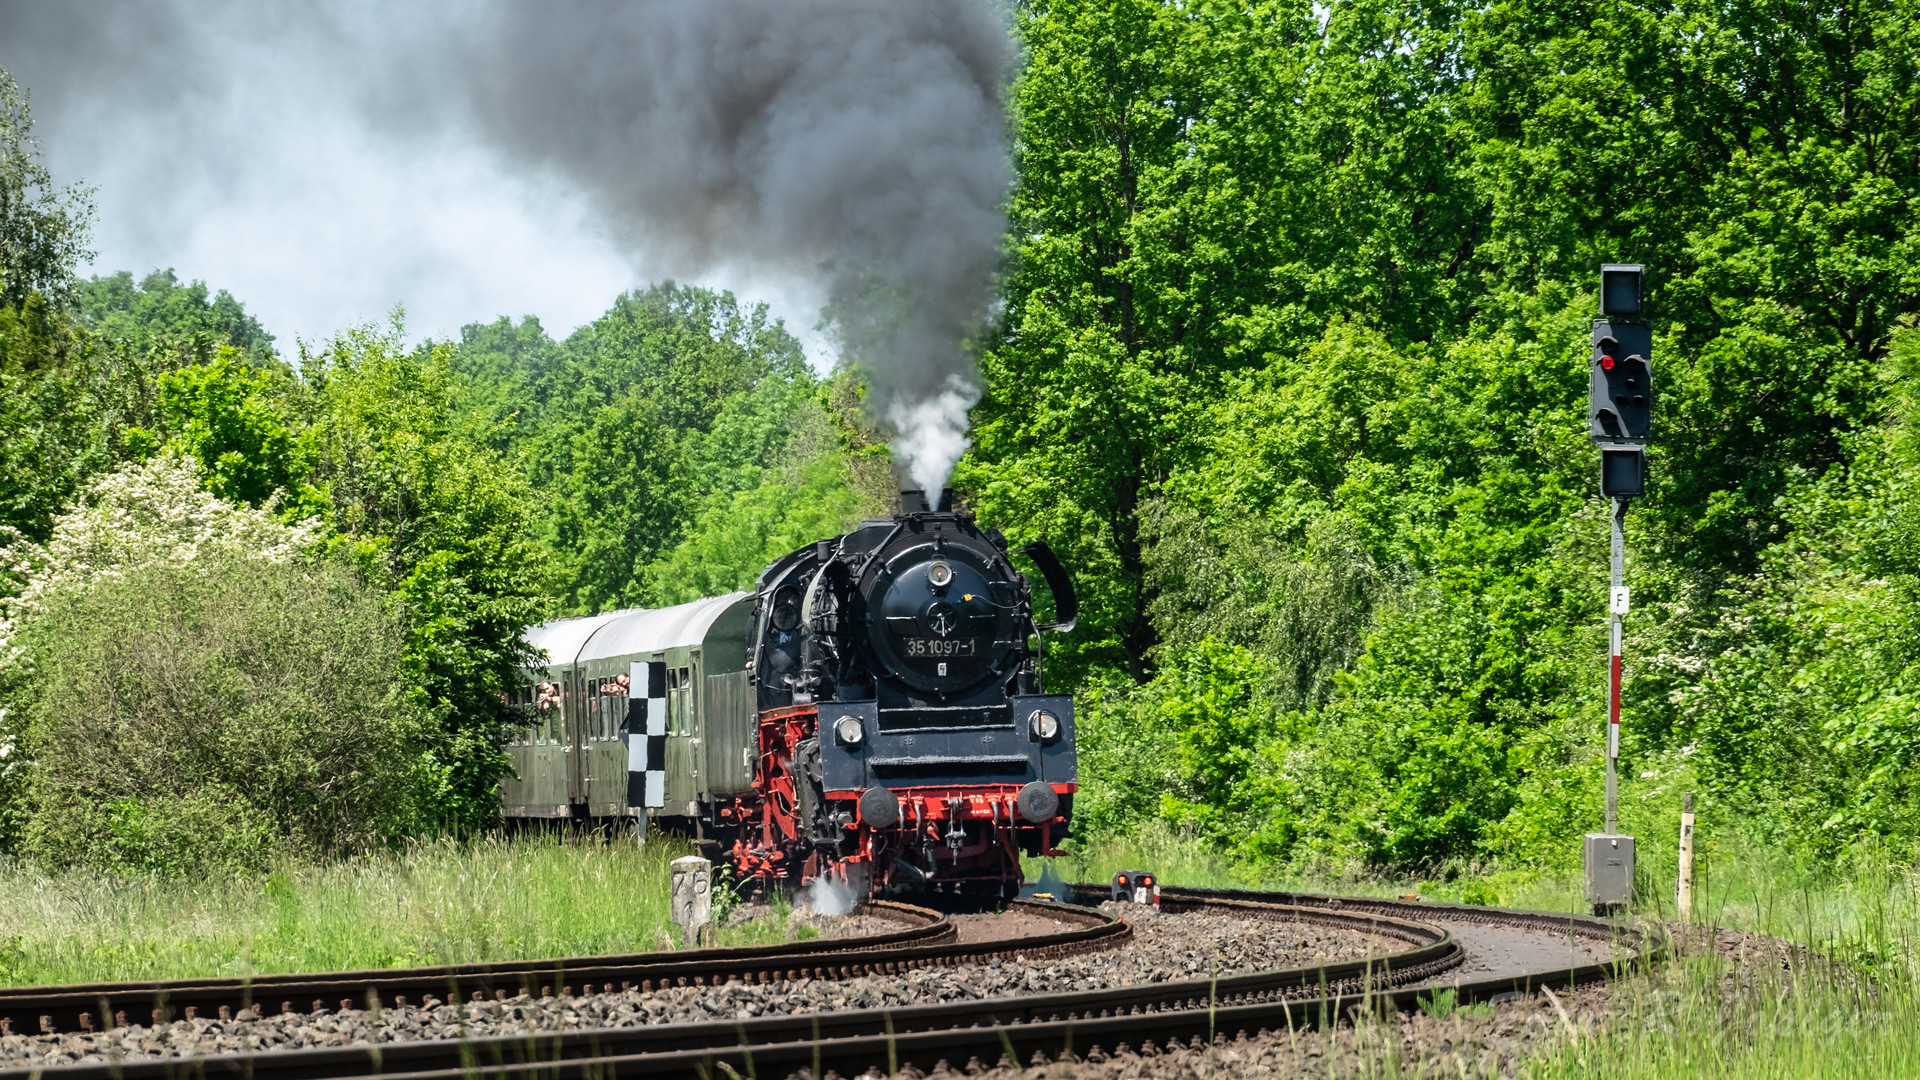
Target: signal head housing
1620,392
1621,290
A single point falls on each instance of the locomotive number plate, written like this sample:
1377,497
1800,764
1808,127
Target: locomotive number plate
964,646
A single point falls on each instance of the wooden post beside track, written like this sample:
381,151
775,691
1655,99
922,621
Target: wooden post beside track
1684,900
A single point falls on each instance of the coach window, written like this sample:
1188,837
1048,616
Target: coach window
547,699
677,700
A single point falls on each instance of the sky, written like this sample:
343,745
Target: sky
250,146
328,163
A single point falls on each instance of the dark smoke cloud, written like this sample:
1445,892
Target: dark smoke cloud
854,151
861,141
238,142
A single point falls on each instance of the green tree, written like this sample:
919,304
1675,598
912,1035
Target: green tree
72,406
738,534
159,307
43,230
624,430
411,483
234,420
1294,360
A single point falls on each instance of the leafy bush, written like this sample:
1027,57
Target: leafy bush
1199,749
217,714
146,513
194,686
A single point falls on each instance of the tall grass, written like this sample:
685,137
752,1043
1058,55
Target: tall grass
1707,1017
1848,1007
437,903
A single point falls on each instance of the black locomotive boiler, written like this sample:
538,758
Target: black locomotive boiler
872,712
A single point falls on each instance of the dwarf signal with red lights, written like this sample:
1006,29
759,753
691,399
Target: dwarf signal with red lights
1136,886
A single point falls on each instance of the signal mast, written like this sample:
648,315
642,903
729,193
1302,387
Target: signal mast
1619,421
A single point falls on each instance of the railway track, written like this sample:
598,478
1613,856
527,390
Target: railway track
1479,952
926,937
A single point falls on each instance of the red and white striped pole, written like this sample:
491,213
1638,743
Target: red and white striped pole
1617,607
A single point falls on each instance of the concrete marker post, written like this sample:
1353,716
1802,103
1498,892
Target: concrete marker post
692,897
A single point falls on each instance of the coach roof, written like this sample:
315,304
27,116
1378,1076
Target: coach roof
630,631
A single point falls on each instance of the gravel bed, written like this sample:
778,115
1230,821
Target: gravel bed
1497,1040
1488,1041
821,925
1164,947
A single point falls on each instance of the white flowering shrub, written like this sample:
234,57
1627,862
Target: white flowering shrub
148,513
12,777
199,686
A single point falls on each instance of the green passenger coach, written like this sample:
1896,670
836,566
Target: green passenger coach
637,713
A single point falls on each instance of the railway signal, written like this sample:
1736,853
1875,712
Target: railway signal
1136,887
1620,422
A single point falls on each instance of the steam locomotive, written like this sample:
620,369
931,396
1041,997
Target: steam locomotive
873,712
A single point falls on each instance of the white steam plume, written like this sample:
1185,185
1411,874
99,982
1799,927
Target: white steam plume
829,897
932,434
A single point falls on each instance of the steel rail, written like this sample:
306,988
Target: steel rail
1053,1025
75,1007
1225,1011
1592,929
637,1048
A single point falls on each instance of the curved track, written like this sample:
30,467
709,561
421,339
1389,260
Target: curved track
926,937
1482,953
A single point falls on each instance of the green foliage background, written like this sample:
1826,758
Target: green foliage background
1293,372
665,451
1290,369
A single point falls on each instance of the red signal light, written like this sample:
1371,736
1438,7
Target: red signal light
1606,363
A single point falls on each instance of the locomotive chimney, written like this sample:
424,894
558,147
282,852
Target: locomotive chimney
914,501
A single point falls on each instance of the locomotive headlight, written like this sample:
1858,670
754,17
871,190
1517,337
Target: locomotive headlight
849,731
1044,725
940,574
